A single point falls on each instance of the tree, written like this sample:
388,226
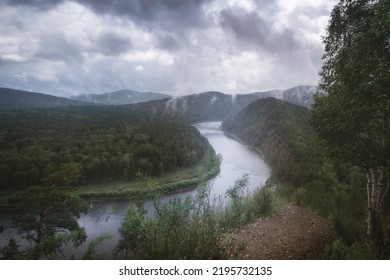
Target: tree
352,108
46,216
10,251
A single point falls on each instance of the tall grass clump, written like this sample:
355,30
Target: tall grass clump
243,207
194,227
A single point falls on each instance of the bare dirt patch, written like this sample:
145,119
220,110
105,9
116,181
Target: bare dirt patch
292,232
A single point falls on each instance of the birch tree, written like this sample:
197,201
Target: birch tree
352,107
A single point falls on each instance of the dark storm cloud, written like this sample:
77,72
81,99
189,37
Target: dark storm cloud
187,12
163,12
110,43
251,28
168,41
57,47
38,4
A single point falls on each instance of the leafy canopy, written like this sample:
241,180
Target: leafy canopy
351,111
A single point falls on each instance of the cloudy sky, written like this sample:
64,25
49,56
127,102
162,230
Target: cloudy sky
70,47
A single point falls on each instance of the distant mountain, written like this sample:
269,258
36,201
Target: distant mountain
214,105
300,95
207,106
196,107
121,97
19,99
210,105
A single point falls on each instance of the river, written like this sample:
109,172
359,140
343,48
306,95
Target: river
237,160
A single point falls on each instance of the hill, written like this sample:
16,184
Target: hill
299,95
19,99
281,131
121,97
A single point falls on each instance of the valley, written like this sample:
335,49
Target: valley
138,166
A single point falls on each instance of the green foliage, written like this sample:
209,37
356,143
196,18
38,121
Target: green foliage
139,188
91,253
11,251
352,108
351,111
46,216
189,228
244,207
182,229
97,143
264,202
339,250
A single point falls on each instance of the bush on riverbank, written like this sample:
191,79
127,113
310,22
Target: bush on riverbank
191,228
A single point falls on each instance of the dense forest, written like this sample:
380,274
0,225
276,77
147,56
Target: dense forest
97,143
282,132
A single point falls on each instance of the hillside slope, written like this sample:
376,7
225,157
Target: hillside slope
19,99
281,131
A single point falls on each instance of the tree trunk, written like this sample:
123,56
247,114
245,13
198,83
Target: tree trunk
374,215
369,212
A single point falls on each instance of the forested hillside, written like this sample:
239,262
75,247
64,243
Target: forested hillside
337,190
96,143
281,131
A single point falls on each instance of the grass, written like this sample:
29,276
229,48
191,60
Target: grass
179,180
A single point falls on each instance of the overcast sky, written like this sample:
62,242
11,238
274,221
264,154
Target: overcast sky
172,46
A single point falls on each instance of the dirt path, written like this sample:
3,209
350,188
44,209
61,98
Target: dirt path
292,232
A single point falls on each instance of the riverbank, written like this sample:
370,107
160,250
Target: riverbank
238,139
176,181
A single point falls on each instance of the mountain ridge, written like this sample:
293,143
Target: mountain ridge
121,97
210,105
12,99
302,95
